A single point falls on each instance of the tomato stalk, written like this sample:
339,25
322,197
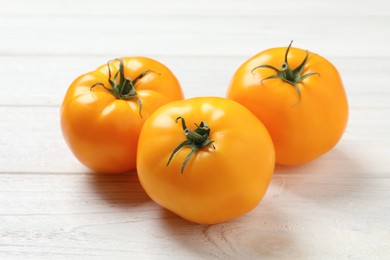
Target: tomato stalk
125,88
196,140
291,76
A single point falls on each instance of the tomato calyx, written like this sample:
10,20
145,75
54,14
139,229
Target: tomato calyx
196,140
291,76
125,88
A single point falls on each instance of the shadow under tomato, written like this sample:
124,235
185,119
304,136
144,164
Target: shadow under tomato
334,176
261,233
119,190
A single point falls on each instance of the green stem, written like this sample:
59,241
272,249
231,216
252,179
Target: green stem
291,76
288,73
122,87
196,140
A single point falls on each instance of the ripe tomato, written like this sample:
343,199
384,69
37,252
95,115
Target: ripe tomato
103,110
303,105
206,159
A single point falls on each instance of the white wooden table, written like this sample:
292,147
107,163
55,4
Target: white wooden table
52,207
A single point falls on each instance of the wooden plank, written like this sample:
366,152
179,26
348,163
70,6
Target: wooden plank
303,215
194,7
31,141
199,35
43,80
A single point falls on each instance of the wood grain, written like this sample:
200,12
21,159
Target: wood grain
52,207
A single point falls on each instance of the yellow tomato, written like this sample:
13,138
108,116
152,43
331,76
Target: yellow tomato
303,104
206,159
103,110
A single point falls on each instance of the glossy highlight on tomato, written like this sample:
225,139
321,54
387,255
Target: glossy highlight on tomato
207,159
299,97
104,110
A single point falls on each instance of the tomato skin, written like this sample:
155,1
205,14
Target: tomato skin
301,129
101,130
219,183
